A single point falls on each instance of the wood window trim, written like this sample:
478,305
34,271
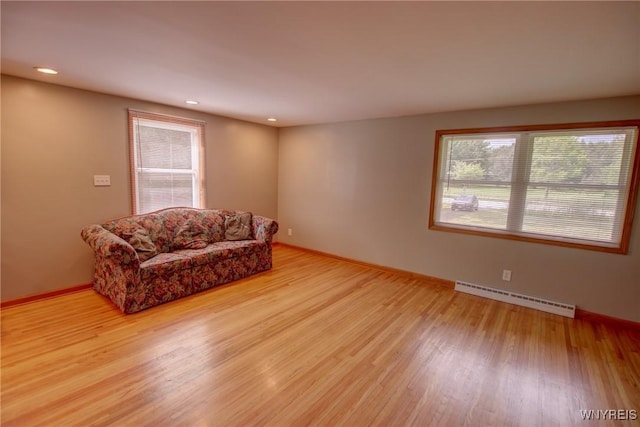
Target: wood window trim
629,210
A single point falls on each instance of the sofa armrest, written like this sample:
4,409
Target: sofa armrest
106,244
117,266
264,228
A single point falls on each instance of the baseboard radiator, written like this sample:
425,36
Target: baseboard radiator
554,307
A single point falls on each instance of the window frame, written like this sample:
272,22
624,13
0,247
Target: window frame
176,123
508,233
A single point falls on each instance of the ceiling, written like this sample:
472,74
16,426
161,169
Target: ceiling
318,62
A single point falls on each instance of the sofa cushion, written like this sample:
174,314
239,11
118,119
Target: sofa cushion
164,265
238,226
173,219
191,235
141,241
222,250
151,222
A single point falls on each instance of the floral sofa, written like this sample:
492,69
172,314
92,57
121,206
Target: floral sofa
145,260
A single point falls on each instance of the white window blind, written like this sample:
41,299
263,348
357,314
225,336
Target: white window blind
166,161
572,185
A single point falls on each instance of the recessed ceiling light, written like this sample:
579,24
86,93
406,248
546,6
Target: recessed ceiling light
46,70
272,119
190,102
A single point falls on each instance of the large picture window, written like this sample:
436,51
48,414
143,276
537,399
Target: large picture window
573,185
166,161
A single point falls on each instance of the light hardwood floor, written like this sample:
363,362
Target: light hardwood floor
315,341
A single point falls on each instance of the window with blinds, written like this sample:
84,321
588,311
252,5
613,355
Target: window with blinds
573,185
166,161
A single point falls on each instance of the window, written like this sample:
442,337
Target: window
572,185
166,161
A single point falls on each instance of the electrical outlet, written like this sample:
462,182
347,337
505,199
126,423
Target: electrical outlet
290,232
506,275
101,180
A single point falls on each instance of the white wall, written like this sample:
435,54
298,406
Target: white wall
361,190
54,139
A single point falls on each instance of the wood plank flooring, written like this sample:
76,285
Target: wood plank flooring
316,341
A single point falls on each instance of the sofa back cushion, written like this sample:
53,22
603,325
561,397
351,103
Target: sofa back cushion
129,226
237,226
189,228
142,243
192,234
181,228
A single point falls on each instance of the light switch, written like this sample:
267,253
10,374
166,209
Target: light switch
101,180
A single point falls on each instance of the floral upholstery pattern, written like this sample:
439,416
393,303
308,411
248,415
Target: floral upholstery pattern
191,235
134,285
